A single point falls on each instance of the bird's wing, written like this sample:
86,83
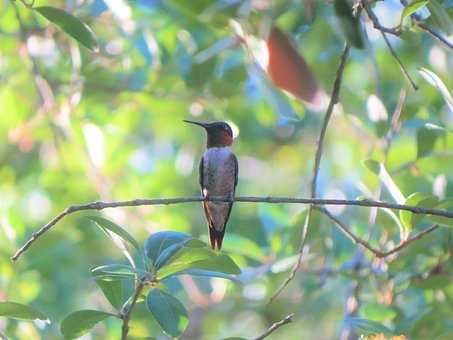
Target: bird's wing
236,170
200,174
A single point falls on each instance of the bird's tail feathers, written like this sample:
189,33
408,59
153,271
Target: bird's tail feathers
216,237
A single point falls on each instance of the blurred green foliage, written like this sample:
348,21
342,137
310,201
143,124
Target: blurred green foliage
79,125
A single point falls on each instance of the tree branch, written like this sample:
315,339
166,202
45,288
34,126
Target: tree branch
427,28
433,33
275,326
178,200
317,162
377,252
395,31
127,315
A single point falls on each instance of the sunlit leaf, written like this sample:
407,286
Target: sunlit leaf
19,311
198,258
435,81
112,289
413,7
240,245
81,322
209,273
378,169
410,219
426,139
168,311
350,25
70,24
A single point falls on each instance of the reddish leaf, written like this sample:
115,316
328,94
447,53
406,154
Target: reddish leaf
288,69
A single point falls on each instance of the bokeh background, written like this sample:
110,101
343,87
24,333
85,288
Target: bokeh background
79,126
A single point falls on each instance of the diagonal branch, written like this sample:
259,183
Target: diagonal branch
395,31
275,326
246,199
377,252
434,34
318,155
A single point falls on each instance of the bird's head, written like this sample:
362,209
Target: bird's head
219,133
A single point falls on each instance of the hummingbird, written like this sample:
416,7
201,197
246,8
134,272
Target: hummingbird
218,177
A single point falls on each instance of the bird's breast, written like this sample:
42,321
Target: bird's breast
219,171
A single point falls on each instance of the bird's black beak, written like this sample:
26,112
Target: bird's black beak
196,123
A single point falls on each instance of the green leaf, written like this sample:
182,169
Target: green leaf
373,166
413,7
114,271
70,24
157,243
168,311
112,289
104,223
349,24
446,204
426,138
79,323
198,258
19,311
368,327
417,199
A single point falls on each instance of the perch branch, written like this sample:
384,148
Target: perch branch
272,200
317,162
377,252
275,326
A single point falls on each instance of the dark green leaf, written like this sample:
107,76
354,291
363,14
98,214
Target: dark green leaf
168,311
104,223
418,199
19,311
112,289
79,323
70,24
350,25
413,7
368,327
426,138
157,243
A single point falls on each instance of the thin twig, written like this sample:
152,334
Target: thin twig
127,314
272,200
383,31
377,252
275,326
427,28
317,162
434,34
